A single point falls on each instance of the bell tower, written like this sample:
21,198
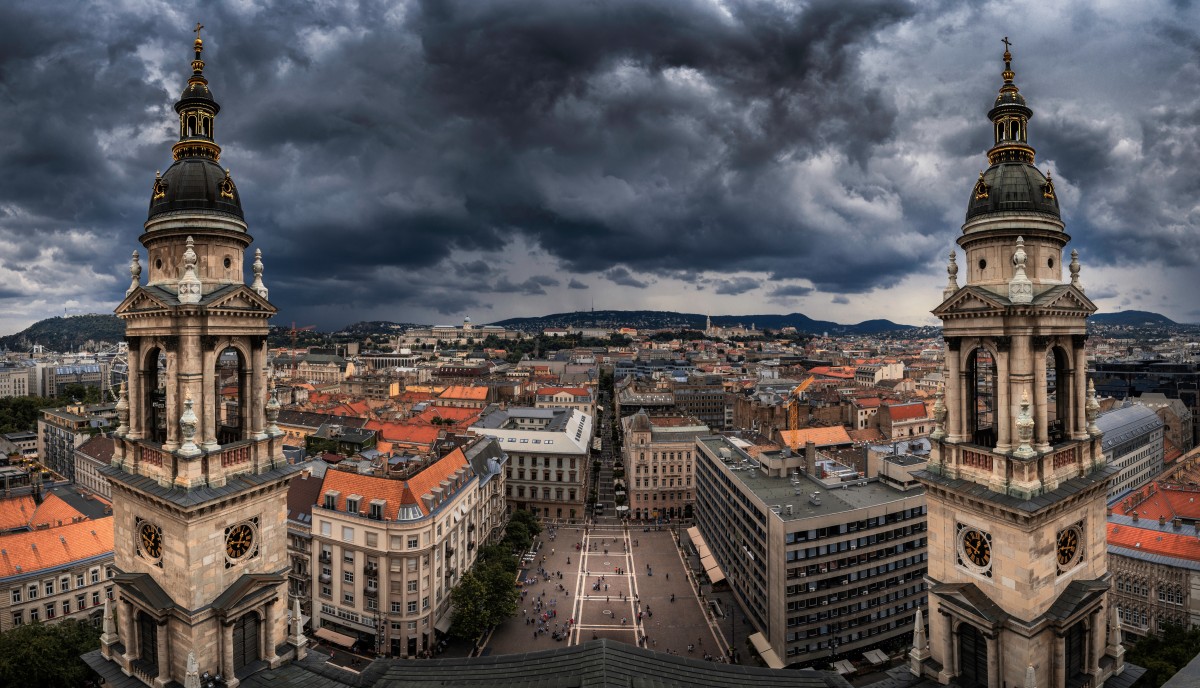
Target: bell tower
198,474
1016,482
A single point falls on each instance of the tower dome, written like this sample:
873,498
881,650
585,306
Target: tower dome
1011,182
196,181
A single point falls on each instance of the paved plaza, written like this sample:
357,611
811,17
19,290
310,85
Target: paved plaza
609,576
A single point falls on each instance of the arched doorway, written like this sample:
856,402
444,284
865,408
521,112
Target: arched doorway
1058,395
154,396
981,397
972,658
245,640
232,396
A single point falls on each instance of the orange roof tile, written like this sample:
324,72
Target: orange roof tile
822,437
573,391
1154,541
913,411
405,433
395,493
49,548
460,416
465,392
15,512
866,435
53,511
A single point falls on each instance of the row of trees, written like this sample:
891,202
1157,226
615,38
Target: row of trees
37,655
487,595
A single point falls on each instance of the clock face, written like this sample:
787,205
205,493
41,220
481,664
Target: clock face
239,540
150,536
1068,546
976,548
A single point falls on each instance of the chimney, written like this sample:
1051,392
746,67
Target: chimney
1177,523
1134,516
810,457
1162,520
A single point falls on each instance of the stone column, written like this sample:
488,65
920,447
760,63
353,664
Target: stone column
137,401
1096,642
268,634
949,665
174,403
258,389
211,405
1041,430
1079,392
127,634
1060,659
227,654
954,392
993,658
1003,405
164,653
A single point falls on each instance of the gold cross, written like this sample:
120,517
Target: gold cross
197,30
1005,41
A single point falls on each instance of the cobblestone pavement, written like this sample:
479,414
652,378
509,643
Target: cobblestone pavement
641,569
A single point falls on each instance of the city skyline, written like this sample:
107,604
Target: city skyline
521,158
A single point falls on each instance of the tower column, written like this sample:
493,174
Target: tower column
993,658
954,390
1060,659
227,654
1003,420
164,653
258,389
1041,430
1079,391
136,401
174,406
1096,640
127,634
211,403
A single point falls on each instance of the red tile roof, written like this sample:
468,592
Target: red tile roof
15,512
461,417
1167,501
900,412
1154,541
53,511
822,437
573,391
405,433
465,392
395,493
49,548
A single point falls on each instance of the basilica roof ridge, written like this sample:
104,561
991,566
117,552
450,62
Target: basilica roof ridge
1012,183
196,181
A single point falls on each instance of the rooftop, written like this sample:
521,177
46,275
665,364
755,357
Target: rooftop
47,548
797,490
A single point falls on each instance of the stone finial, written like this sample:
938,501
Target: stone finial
187,427
296,630
108,629
939,413
122,411
920,649
272,411
1092,410
1074,268
257,285
1115,649
1020,287
1030,677
1025,425
952,271
192,678
189,283
135,273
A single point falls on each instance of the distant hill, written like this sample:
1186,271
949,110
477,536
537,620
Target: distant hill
1131,318
695,321
67,334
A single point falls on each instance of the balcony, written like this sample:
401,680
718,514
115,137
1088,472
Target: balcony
325,578
449,552
371,593
326,557
371,569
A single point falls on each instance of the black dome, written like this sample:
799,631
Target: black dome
1013,186
195,184
197,92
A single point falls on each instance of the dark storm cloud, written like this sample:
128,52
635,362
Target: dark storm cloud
388,154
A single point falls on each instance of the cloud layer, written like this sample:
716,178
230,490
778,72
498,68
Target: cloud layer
421,160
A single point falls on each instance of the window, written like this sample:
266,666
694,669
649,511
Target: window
347,557
425,603
348,598
412,586
33,615
96,598
330,501
352,505
79,580
347,576
108,592
66,607
414,543
412,625
376,510
81,602
64,583
372,539
326,591
396,607
95,575
16,595
49,587
50,611
18,618
347,534
412,607
326,528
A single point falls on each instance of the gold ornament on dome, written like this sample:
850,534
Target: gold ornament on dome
226,187
160,187
1048,187
981,188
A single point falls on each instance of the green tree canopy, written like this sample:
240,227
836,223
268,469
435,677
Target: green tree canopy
1165,654
471,617
37,654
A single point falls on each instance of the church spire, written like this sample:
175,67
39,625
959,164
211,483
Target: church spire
197,112
1010,119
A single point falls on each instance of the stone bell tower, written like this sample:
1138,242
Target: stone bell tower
1016,483
198,475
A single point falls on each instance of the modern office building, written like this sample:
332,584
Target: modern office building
1133,443
823,567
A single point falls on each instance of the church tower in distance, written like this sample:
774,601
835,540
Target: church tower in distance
1016,482
198,475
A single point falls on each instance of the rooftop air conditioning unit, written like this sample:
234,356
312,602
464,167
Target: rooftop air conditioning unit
789,509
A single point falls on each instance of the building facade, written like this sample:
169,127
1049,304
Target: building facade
548,457
50,574
90,457
821,571
387,551
15,381
61,431
1133,444
577,398
658,454
1017,482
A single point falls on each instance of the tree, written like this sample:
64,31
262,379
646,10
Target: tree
501,592
1165,654
526,518
470,618
37,654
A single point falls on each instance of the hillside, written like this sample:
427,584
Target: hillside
671,319
1131,319
67,334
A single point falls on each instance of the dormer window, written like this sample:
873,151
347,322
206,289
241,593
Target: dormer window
376,509
331,498
352,503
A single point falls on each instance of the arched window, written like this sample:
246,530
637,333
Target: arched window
981,397
154,395
232,396
191,125
1058,395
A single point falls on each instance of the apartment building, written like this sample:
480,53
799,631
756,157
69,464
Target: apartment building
548,452
61,431
15,381
1133,442
578,398
705,397
387,550
658,457
95,453
822,568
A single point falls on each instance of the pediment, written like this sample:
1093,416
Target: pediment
1070,298
240,297
248,589
141,300
970,300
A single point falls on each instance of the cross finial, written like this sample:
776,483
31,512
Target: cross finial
197,30
1007,43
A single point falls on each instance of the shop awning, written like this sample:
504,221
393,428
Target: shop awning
694,535
844,667
334,637
443,624
708,562
703,550
715,575
875,657
759,641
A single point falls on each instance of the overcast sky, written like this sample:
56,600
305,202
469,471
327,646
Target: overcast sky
426,161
